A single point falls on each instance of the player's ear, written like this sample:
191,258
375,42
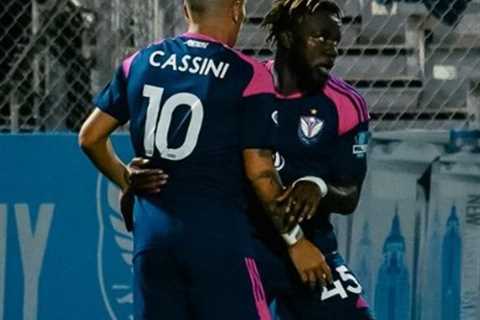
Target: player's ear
238,11
186,12
285,39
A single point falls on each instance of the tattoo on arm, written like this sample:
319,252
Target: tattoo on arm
271,175
263,153
263,177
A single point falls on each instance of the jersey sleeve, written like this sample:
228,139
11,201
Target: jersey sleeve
112,99
258,128
349,156
258,104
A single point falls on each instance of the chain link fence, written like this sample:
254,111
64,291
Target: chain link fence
417,62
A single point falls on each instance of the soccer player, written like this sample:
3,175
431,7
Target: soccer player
193,104
322,137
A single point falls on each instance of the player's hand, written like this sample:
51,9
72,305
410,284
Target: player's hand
142,179
127,199
298,203
310,263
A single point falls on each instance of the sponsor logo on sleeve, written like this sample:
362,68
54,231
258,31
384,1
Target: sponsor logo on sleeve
360,147
196,44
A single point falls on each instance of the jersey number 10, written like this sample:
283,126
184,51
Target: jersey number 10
156,131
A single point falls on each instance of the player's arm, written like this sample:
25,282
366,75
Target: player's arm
265,181
258,138
340,194
342,197
349,164
306,257
112,111
94,141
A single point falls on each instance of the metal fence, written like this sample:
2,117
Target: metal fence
417,62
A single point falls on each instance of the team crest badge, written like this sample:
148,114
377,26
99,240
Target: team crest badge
115,251
310,128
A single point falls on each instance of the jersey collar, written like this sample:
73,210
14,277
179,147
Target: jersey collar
200,36
271,67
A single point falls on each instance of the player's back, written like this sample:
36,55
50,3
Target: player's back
193,104
187,100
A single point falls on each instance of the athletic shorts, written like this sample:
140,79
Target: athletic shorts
294,300
195,261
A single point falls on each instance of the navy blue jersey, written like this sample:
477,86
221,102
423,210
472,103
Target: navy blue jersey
193,103
323,135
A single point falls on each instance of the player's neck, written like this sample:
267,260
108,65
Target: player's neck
287,82
213,31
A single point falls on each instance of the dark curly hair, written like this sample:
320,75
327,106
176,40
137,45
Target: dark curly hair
285,15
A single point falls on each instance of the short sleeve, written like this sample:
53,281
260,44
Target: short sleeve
349,157
112,99
257,106
258,127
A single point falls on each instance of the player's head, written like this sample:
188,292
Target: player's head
225,16
308,31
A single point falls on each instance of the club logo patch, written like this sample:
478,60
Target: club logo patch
310,128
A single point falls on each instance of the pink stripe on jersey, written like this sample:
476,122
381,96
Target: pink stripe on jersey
269,64
257,288
347,114
295,95
355,103
127,63
361,303
261,81
353,91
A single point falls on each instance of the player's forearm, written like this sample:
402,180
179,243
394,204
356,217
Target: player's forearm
267,186
262,174
340,199
102,155
94,141
264,179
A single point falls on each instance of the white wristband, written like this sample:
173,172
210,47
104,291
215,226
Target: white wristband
293,236
322,185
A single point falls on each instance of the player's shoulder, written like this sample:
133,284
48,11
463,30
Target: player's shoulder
155,50
260,80
137,55
351,107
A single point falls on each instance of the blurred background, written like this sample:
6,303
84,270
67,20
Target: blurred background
414,241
